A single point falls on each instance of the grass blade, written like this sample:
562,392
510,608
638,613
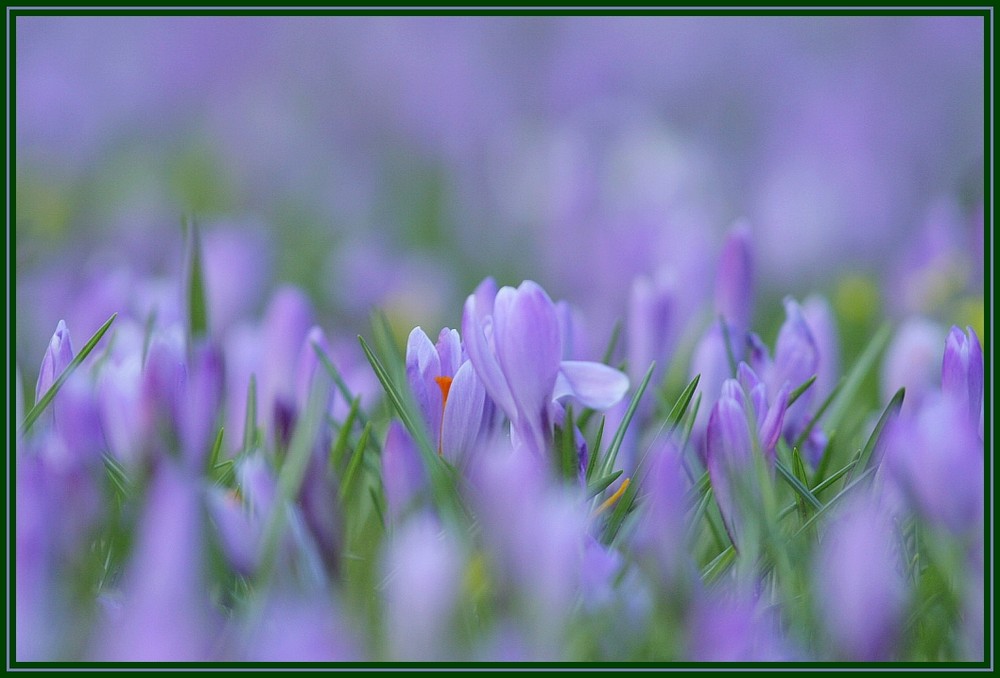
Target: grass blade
619,438
596,449
598,486
347,485
683,401
612,343
339,446
800,489
36,411
797,393
250,420
197,306
892,409
816,417
852,382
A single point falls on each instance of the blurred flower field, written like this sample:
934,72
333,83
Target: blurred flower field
500,339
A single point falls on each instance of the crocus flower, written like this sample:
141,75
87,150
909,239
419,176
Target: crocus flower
448,392
652,324
861,594
290,627
734,283
513,340
962,371
730,441
422,568
913,361
733,626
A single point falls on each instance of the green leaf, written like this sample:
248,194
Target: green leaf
598,486
197,306
619,437
834,477
836,499
338,380
612,343
43,402
892,409
250,419
619,512
683,401
719,564
348,482
800,489
729,349
566,446
339,446
213,456
816,417
595,449
846,399
117,475
797,393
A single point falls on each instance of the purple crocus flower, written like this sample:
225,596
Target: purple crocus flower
962,371
730,441
822,325
936,457
733,626
514,344
57,358
292,628
199,408
652,324
734,283
913,360
422,566
403,475
163,615
861,594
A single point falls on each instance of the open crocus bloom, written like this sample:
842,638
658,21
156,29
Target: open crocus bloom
513,339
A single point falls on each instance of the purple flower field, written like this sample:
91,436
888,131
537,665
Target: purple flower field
500,339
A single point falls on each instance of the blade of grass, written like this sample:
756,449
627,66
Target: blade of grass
197,306
250,419
213,456
36,411
826,507
598,486
797,393
338,381
339,446
800,489
820,411
729,348
595,451
619,437
350,477
567,446
719,564
683,401
892,409
852,382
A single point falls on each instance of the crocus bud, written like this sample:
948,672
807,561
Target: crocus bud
283,331
822,325
962,371
652,311
913,361
859,584
402,470
198,415
734,281
57,358
729,454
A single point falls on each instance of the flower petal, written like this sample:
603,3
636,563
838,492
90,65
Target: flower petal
594,385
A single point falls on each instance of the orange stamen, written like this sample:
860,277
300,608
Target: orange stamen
444,383
613,499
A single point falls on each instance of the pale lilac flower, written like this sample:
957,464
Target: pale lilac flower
164,614
290,627
936,457
652,324
732,626
199,407
734,283
822,325
962,371
57,358
423,574
858,582
403,475
913,361
514,344
284,328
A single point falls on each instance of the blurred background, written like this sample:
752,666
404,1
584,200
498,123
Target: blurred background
396,161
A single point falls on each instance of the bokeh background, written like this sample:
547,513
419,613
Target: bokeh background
396,161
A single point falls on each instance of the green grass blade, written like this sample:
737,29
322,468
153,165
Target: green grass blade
826,507
338,380
598,486
820,411
213,456
852,383
621,509
797,393
197,306
36,411
339,446
719,564
834,477
566,446
250,419
612,343
892,409
729,349
595,451
680,407
800,489
619,437
350,477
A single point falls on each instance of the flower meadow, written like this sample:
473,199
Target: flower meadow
310,395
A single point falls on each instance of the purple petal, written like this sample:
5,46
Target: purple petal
912,361
449,348
770,427
734,282
57,358
529,350
962,370
822,324
402,470
594,385
795,354
422,365
463,420
477,330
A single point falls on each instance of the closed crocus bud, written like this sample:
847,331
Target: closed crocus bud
239,531
651,324
162,384
711,362
859,586
962,371
734,281
403,475
57,358
913,361
422,569
823,327
284,329
729,454
199,409
936,457
118,402
164,614
796,357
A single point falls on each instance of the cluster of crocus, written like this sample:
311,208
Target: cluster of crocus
248,495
